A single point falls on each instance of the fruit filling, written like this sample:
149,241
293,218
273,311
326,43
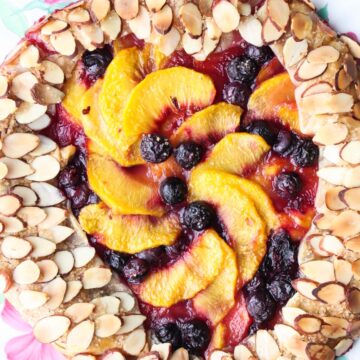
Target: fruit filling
193,182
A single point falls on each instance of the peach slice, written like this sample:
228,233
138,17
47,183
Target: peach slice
219,297
210,124
120,188
275,98
193,272
236,153
238,213
129,233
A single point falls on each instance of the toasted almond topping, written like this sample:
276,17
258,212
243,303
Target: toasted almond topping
163,19
107,325
314,241
83,255
46,146
333,331
84,357
46,168
48,194
80,337
106,305
78,15
305,287
46,94
288,337
9,204
353,244
63,42
356,110
28,196
127,9
163,349
54,216
52,73
28,112
22,84
353,300
54,26
3,170
15,248
265,345
12,224
346,224
99,8
79,312
66,154
332,199
215,355
343,271
332,174
41,247
30,57
7,107
351,152
72,290
191,19
111,25
318,270
352,177
127,301
323,54
212,30
308,324
343,346
241,352
191,45
330,293
26,273
317,88
3,85
90,35
331,134
48,270
5,281
16,145
332,245
30,299
180,354
226,16
307,71
342,80
96,278
155,5
58,233
301,26
56,290
294,51
65,261
141,24
244,8
130,323
168,42
209,46
289,314
31,215
135,342
50,328
279,13
351,198
250,29
113,355
319,351
354,46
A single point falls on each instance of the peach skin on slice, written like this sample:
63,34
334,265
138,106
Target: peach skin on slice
209,125
120,189
193,272
219,297
238,213
129,233
235,153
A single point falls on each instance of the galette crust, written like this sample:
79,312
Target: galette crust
64,290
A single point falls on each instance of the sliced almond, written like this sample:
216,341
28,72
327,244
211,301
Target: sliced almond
3,171
353,300
333,174
301,26
307,71
191,45
46,168
3,85
289,338
7,107
22,84
180,354
163,349
323,54
80,337
56,290
79,311
294,51
305,287
332,199
57,233
191,19
241,352
343,271
48,194
15,248
332,245
106,305
51,328
135,342
12,224
265,345
342,80
113,355
141,24
317,88
331,134
28,196
9,204
30,57
155,5
46,94
89,35
84,357
226,16
279,13
79,15
5,281
52,73
130,323
343,346
308,324
40,246
167,43
319,351
31,215
83,255
212,30
163,19
250,29
45,146
111,25
72,290
330,293
320,271
107,325
270,32
333,331
26,273
41,123
16,145
64,43
356,110
99,8
289,314
29,112
351,152
353,244
127,9
346,224
31,300
48,270
209,45
65,261
354,46
94,278
215,355
127,301
54,216
352,177
351,198
53,26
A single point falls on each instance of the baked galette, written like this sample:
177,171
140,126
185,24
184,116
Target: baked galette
182,180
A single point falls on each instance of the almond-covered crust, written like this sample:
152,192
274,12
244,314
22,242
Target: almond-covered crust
51,274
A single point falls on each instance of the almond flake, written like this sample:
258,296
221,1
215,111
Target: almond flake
331,134
332,199
26,273
107,325
7,107
289,338
99,8
111,25
56,290
279,13
57,233
209,45
314,241
168,43
79,15
333,331
343,346
3,170
106,305
215,355
46,146
180,354
63,42
353,244
127,9
51,328
353,300
305,287
96,277
250,29
5,281
317,88
289,314
343,271
15,248
155,5
355,266
9,204
72,290
332,245
333,174
65,261
318,270
346,224
354,46
265,345
163,19
323,54
244,9
29,112
135,342
163,349
90,35
191,45
54,216
352,177
127,301
319,351
53,26
351,152
31,215
226,16
16,145
46,94
3,85
308,324
241,352
48,194
79,312
330,293
31,300
113,355
212,30
324,221
41,247
48,270
141,24
301,26
83,255
294,51
28,196
52,73
191,19
80,337
12,224
356,110
307,71
351,198
22,84
130,323
84,357
342,80
30,57
46,168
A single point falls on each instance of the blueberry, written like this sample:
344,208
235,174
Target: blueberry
305,154
80,196
284,143
287,184
241,69
135,270
196,336
169,333
68,177
260,305
116,260
155,256
198,215
260,54
173,190
155,148
262,128
97,61
280,289
236,93
174,251
188,154
257,282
